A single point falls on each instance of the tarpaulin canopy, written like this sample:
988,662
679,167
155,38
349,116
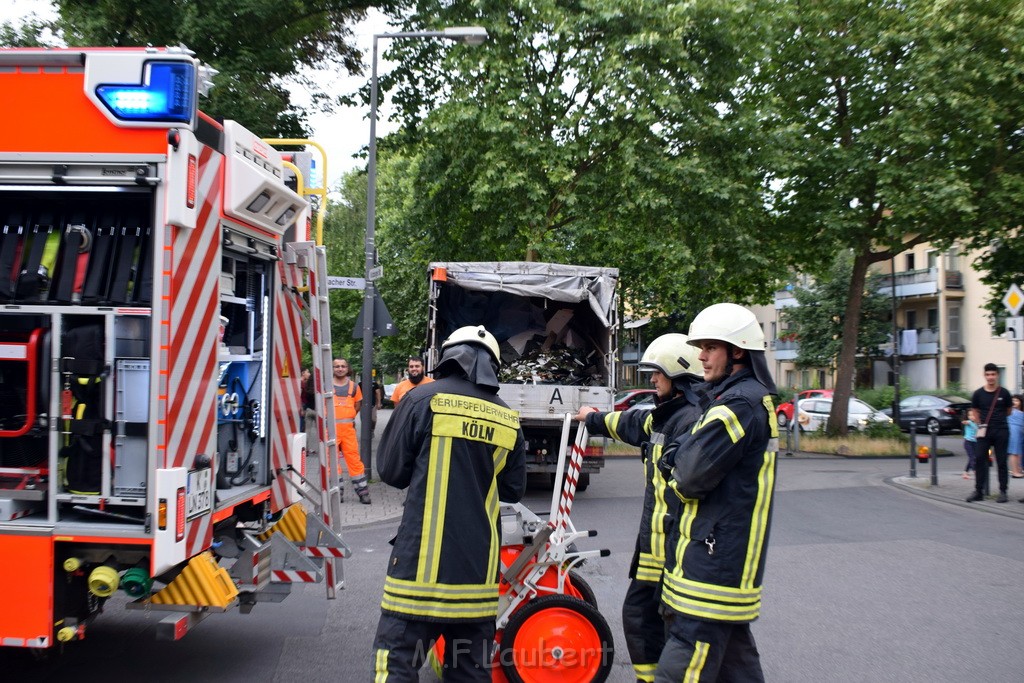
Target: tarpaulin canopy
554,281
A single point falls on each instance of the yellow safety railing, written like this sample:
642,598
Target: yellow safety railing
302,188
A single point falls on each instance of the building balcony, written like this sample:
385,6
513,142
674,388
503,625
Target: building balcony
785,298
785,350
920,342
920,282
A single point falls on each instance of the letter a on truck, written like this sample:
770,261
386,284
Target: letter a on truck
155,269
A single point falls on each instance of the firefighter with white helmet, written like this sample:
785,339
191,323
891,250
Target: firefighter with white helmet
676,376
723,471
458,449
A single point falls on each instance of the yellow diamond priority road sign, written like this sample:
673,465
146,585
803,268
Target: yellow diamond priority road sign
1013,299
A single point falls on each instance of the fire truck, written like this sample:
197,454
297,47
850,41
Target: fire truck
156,284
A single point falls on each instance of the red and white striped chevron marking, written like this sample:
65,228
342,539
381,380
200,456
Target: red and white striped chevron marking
260,570
189,327
572,476
286,404
285,576
321,551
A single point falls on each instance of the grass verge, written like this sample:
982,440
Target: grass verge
855,445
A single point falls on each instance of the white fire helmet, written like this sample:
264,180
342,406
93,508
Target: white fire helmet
474,334
730,323
670,355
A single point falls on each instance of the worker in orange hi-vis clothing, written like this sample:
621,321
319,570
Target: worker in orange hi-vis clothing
348,397
415,378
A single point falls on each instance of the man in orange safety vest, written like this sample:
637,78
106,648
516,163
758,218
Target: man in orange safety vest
348,397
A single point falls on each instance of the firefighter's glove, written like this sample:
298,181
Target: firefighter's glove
645,451
667,461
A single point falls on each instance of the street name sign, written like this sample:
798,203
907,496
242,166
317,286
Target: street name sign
337,282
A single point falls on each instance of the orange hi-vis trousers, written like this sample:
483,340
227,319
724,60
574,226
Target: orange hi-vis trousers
348,444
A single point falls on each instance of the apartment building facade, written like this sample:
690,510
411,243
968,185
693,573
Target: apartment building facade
944,335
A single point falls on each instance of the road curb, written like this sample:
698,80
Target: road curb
1010,509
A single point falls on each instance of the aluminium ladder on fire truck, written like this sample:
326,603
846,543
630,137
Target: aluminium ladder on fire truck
317,331
320,338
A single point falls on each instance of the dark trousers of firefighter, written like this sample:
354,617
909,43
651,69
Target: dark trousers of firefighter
643,626
705,651
998,440
401,647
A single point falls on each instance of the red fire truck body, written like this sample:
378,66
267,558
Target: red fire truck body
154,274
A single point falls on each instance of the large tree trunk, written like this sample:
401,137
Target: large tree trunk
848,350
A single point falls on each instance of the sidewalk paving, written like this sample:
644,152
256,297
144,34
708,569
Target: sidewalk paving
387,505
953,488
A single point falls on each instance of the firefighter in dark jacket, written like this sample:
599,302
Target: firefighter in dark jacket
723,471
677,377
459,450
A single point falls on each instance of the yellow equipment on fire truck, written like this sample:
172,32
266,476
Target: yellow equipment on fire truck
156,281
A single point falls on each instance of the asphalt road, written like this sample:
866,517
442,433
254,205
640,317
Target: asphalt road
864,583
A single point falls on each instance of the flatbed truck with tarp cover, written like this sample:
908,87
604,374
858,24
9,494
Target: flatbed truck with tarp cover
557,327
156,282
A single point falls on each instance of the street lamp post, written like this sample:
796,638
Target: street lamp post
895,349
470,35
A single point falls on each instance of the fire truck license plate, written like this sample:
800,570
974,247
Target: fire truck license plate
197,496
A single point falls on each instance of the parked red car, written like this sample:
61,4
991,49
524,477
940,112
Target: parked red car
784,413
626,398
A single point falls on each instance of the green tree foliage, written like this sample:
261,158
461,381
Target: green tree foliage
817,323
255,44
344,227
31,32
1001,265
899,122
604,133
344,233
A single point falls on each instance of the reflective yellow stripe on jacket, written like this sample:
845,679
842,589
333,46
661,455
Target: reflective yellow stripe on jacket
651,564
732,424
709,601
449,601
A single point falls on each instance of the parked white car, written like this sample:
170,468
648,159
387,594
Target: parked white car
812,414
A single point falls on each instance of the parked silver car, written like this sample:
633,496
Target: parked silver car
812,414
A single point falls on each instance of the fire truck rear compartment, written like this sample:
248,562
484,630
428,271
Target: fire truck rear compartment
76,247
75,284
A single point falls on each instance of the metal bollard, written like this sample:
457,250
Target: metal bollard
913,450
935,459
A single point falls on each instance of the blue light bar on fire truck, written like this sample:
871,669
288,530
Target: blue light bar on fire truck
167,93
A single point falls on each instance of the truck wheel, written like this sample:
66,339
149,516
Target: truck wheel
783,420
557,638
